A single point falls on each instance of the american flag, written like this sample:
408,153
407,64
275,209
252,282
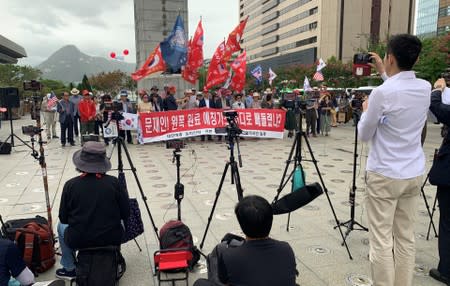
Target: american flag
51,101
318,76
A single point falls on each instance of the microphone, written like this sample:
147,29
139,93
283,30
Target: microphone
297,199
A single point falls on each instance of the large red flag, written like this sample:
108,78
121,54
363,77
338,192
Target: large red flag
234,38
195,56
154,63
217,70
239,66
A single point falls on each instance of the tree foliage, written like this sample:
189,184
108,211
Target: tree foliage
112,82
433,61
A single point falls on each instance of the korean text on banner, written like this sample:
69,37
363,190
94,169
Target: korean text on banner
158,126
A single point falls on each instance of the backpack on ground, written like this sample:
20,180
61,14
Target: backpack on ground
9,227
99,266
35,242
175,234
228,241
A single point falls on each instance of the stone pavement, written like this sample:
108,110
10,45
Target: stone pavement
321,260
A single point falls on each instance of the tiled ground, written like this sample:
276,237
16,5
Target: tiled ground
320,257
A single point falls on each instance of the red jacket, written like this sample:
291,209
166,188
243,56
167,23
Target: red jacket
87,111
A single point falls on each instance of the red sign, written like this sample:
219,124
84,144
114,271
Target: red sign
167,125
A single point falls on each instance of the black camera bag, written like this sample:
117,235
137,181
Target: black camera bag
5,148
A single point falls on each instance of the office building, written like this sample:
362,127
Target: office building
427,17
443,21
284,32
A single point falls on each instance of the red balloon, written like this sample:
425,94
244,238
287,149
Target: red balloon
113,55
126,52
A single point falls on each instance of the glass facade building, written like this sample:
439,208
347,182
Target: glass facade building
427,18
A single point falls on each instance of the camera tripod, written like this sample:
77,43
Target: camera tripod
179,187
351,223
119,143
297,159
233,132
12,135
430,213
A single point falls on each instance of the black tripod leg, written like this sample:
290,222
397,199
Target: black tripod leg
219,189
137,244
237,180
144,198
327,195
431,220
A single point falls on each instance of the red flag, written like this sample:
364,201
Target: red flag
217,70
234,38
195,56
154,63
239,66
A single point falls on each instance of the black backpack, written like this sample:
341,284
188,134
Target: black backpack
228,241
99,266
175,234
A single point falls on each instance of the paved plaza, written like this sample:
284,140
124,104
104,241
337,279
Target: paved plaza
321,260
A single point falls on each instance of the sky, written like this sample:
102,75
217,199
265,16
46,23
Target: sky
44,26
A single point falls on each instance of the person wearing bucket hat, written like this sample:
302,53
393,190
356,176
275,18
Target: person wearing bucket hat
75,98
92,207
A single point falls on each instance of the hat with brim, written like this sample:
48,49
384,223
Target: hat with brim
74,91
92,158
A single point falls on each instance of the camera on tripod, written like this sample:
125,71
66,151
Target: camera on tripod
31,130
176,144
32,85
232,128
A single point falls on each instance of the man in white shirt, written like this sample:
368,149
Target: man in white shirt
392,121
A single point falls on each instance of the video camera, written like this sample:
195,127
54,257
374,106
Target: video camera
232,129
32,85
31,130
176,144
113,106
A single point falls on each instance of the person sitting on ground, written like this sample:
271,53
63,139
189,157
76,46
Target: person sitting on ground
92,207
261,260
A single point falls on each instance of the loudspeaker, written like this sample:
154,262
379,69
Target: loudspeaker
9,97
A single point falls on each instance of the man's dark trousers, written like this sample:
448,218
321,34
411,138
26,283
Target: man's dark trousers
443,196
67,127
76,120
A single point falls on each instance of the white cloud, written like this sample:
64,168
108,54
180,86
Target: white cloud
99,27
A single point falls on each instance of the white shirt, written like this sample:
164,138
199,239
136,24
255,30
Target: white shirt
393,124
446,96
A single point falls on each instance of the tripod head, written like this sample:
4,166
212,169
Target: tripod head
233,131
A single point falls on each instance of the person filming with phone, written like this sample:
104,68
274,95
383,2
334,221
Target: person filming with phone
392,120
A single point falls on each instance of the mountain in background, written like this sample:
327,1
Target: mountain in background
69,64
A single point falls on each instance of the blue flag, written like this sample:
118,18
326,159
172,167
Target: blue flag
174,47
257,73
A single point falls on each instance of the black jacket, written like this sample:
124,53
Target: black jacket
170,103
93,208
442,113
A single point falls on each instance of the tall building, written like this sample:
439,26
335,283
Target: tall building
283,32
443,23
153,21
427,17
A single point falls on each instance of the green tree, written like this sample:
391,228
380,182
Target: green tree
434,58
58,87
85,83
14,76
